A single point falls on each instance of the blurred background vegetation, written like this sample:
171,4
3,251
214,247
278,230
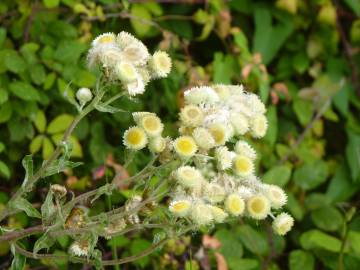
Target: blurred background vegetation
301,56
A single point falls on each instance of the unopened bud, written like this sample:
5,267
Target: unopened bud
84,95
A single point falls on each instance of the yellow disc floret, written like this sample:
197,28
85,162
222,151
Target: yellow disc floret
152,125
180,208
243,166
283,223
191,116
219,133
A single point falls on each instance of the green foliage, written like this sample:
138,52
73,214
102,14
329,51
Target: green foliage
292,53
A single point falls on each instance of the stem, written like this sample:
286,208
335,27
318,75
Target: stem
144,253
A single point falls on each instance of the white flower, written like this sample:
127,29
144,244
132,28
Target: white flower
80,248
283,223
126,72
258,126
102,39
58,190
218,214
203,138
219,133
152,125
133,50
188,176
245,192
84,95
160,64
200,95
243,166
276,195
258,207
135,138
191,115
201,214
223,157
256,104
137,116
185,146
109,56
136,87
157,144
234,204
214,193
245,149
222,90
180,207
240,123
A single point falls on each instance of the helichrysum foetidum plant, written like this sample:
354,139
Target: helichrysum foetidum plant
204,176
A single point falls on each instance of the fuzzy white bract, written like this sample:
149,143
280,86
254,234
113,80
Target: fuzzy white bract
84,95
276,196
283,223
160,64
80,248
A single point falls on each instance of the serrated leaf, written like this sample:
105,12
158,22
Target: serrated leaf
24,91
24,205
60,123
4,170
45,241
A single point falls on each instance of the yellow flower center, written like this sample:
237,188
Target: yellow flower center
151,123
134,137
180,206
242,164
257,205
218,135
235,205
185,145
106,39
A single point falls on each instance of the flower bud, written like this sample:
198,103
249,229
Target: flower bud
84,95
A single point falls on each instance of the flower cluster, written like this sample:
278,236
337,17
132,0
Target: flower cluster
127,60
216,180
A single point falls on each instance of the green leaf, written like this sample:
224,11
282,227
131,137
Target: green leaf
69,51
45,241
242,264
107,108
278,175
76,146
301,260
51,3
224,68
48,210
327,218
269,38
4,96
317,239
19,261
231,246
5,112
341,188
303,110
24,205
47,148
2,36
60,123
311,175
40,121
354,5
301,62
253,240
354,241
24,91
118,241
353,155
272,131
28,165
141,28
4,170
14,62
136,247
38,74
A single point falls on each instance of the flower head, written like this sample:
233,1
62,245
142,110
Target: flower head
157,144
103,39
245,149
214,193
203,138
258,207
135,138
84,95
219,133
188,176
223,158
276,195
201,214
234,204
185,146
218,214
201,95
191,115
126,72
160,64
243,166
80,248
152,125
283,223
258,126
180,208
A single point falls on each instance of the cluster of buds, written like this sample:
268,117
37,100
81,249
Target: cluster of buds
126,59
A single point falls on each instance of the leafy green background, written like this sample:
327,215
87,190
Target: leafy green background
301,57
